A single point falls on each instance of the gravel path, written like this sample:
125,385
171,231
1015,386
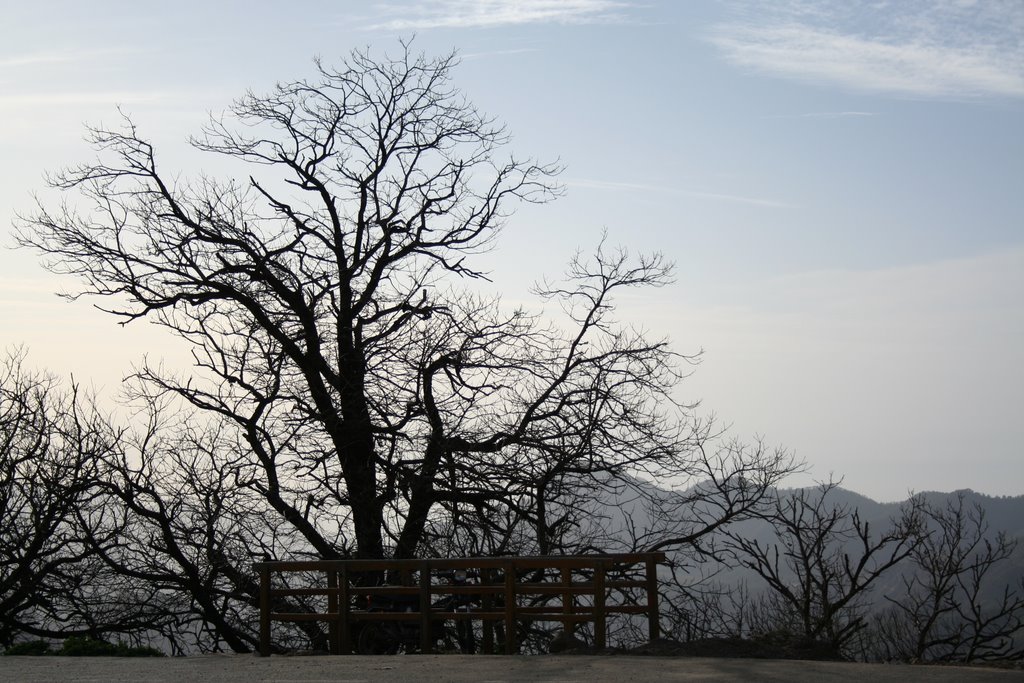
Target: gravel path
475,669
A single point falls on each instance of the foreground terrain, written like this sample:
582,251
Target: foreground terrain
477,669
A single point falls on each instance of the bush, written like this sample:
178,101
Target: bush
88,647
125,651
77,646
30,648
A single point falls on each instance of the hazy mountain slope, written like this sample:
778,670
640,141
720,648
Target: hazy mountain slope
623,514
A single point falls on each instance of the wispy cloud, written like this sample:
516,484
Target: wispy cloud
613,185
738,199
826,115
929,48
644,187
41,58
429,14
81,98
497,53
25,285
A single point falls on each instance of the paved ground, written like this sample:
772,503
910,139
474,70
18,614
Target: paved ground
475,669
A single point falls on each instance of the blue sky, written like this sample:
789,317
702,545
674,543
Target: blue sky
840,185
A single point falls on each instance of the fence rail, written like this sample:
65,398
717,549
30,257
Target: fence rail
570,589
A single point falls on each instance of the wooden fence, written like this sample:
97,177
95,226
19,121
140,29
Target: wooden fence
505,591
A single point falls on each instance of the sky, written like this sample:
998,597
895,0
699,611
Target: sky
839,184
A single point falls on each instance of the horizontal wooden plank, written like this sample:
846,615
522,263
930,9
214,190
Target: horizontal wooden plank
433,590
302,616
580,609
468,590
515,562
575,588
464,616
531,613
285,592
530,588
383,590
384,616
552,616
353,616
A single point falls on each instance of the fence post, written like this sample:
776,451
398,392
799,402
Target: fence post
486,579
568,602
600,621
426,641
332,609
511,647
653,618
345,606
264,610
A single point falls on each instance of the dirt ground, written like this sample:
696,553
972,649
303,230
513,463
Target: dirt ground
475,669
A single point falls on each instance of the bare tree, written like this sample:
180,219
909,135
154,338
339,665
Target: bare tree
364,403
51,582
822,566
954,606
186,534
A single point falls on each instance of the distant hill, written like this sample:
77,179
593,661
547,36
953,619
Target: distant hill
1001,513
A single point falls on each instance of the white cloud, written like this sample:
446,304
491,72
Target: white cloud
428,14
931,49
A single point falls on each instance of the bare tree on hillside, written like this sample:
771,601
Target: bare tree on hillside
954,606
822,565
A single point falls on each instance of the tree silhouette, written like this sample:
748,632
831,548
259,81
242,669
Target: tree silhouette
51,442
823,563
954,606
350,396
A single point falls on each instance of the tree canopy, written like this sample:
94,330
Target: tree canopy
351,395
377,399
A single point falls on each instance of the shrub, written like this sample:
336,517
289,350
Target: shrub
29,648
89,647
79,646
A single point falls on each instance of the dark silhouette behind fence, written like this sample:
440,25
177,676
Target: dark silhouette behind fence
567,589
